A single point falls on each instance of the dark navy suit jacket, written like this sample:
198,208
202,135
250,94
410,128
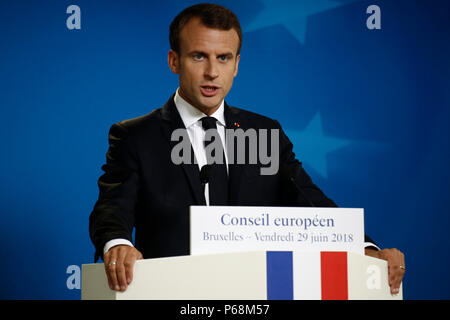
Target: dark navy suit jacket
142,188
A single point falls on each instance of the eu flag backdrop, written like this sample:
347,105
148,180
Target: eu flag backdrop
364,99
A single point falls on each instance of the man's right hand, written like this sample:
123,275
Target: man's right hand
119,264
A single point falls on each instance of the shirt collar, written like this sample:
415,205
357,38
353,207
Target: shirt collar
190,114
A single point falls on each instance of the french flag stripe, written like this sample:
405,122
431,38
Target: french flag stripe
307,276
334,275
279,275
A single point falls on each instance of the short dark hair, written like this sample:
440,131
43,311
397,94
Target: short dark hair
211,15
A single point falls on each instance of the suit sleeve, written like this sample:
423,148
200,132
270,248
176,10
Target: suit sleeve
309,191
113,215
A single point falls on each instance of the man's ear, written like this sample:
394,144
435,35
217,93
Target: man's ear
238,57
174,61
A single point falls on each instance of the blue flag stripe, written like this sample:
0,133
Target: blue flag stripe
279,275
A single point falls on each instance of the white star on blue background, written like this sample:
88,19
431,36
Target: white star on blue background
292,14
312,146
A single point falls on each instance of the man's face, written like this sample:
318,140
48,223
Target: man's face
206,65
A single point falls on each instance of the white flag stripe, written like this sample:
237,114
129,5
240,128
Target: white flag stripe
307,277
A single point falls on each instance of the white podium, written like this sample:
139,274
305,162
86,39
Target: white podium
259,275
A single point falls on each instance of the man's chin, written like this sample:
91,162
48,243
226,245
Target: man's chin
209,106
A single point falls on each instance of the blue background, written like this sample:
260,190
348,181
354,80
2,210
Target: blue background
367,111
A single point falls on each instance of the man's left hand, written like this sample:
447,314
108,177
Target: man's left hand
396,265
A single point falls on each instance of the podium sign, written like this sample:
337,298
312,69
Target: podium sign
222,229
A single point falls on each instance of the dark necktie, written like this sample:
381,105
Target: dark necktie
218,182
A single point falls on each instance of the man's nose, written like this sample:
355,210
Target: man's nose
211,70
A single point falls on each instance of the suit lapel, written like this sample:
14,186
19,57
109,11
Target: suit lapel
235,171
172,121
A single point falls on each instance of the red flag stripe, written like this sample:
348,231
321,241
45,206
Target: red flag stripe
334,275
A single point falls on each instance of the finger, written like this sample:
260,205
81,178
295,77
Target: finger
129,266
111,269
395,289
106,260
395,285
391,275
392,280
399,274
120,268
391,270
396,272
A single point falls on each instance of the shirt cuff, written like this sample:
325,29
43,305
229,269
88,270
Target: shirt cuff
370,244
115,242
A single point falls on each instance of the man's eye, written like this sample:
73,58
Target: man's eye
198,57
223,58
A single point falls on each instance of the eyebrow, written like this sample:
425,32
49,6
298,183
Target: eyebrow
194,52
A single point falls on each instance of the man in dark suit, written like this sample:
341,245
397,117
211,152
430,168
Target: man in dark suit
143,188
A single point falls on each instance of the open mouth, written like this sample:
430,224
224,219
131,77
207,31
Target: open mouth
209,91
